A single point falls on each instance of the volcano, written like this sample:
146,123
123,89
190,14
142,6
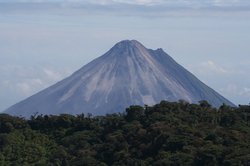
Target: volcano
128,74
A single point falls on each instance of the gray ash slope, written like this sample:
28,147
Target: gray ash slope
128,74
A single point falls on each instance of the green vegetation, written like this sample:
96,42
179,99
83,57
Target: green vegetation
169,133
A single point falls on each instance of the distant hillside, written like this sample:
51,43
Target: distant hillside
169,133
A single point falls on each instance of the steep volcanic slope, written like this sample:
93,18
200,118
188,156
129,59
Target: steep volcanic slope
127,74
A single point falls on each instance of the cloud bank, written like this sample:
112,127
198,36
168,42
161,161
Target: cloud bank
237,5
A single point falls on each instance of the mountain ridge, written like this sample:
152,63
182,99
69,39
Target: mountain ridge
128,74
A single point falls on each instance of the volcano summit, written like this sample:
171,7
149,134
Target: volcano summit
128,74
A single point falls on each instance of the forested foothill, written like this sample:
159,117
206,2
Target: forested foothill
168,133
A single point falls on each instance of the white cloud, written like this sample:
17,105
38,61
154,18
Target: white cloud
140,2
25,81
166,3
141,8
231,89
29,86
209,67
53,75
245,91
240,94
213,67
227,2
230,81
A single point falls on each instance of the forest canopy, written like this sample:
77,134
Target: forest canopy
168,133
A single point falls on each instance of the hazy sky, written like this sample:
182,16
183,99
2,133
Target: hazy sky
43,41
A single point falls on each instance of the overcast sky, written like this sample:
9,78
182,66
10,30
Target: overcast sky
43,41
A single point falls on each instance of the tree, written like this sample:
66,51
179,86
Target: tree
134,113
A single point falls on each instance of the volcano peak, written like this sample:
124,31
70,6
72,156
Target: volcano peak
128,74
128,44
